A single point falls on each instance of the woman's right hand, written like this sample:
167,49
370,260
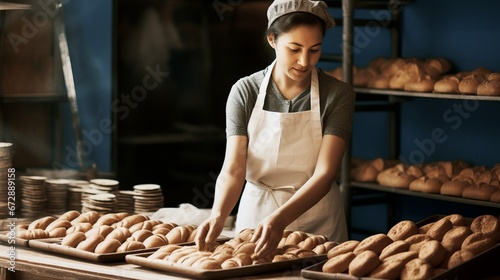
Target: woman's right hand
208,231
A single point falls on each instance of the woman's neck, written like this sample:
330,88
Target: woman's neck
289,88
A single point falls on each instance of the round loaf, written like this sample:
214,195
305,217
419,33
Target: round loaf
73,239
375,243
363,263
41,223
432,252
396,247
447,85
379,81
489,225
416,241
478,242
459,257
439,229
453,239
339,263
424,83
344,247
469,84
417,269
387,270
456,219
403,257
90,243
107,246
402,230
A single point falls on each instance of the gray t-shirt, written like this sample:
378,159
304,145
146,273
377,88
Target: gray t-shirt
336,104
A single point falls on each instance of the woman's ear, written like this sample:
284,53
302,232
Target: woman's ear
270,40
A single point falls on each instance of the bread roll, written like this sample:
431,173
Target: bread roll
57,232
379,82
69,215
41,223
59,223
107,246
375,243
453,187
424,83
344,247
103,230
141,235
453,239
155,241
363,77
482,71
90,243
459,257
432,252
427,184
488,225
36,233
121,234
417,269
387,270
394,248
402,230
130,245
439,229
73,239
495,197
456,219
81,227
363,263
339,263
416,241
107,219
447,85
482,191
469,84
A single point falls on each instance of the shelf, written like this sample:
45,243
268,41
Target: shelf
377,187
403,93
33,98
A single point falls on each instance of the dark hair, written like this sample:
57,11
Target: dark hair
285,23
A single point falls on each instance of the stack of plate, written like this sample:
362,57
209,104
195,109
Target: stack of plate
75,189
57,190
125,201
148,198
102,203
6,153
34,196
106,185
88,191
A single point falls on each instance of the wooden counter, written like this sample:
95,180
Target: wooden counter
37,265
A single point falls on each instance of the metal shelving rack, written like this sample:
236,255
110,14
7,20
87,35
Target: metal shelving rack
391,105
52,98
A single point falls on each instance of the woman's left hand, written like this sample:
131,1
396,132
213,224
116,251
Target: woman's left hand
267,236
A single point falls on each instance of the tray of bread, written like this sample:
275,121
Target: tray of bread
439,247
233,258
103,237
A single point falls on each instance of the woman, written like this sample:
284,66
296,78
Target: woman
287,129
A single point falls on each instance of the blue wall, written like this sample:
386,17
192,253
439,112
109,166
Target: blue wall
89,34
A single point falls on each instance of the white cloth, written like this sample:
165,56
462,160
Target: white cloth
282,152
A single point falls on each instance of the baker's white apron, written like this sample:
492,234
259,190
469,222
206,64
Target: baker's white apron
282,153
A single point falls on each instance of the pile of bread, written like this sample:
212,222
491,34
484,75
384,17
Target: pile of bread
411,252
422,75
107,233
239,251
454,178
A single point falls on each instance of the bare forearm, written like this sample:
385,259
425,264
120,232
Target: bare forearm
227,192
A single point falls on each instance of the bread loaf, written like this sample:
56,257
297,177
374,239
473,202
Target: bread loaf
41,223
73,239
469,84
107,246
417,269
344,247
364,263
69,215
130,245
402,230
375,243
339,263
59,223
447,84
90,243
489,88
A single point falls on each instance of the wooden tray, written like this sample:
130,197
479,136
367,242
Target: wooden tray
54,246
483,265
22,242
197,273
